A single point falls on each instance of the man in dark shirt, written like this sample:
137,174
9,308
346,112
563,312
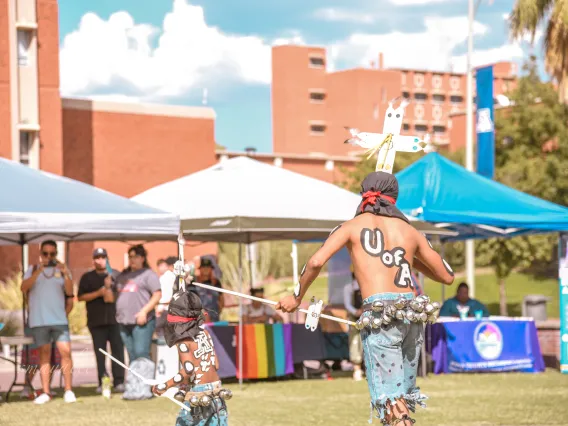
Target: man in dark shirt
96,289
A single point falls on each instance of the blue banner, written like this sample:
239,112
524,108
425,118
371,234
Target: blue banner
470,346
484,123
563,280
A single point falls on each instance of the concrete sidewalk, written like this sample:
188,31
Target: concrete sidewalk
84,367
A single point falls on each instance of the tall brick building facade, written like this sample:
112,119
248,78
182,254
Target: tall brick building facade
311,107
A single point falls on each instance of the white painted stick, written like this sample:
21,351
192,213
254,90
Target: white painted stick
149,382
266,301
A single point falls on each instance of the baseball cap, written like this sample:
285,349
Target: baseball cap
100,252
205,262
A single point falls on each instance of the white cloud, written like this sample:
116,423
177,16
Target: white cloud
416,2
120,54
343,15
428,49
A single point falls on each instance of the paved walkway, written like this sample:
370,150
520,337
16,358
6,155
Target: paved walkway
84,367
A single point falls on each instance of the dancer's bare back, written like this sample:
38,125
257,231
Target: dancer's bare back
383,250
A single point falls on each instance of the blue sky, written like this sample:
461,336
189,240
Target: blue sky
169,51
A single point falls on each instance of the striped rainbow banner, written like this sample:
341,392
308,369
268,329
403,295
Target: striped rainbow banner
267,350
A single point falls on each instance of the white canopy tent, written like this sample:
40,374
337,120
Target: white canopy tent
245,201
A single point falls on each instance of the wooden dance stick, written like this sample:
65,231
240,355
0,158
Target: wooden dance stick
266,301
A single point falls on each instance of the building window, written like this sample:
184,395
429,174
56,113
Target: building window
26,144
456,99
24,43
439,98
420,97
317,129
317,62
439,130
421,127
405,126
406,95
317,97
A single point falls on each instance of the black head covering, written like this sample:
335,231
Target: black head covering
184,304
379,190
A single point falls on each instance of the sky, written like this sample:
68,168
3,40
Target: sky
185,52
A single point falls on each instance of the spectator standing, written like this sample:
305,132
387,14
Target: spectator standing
258,312
48,287
96,289
162,267
137,294
353,302
212,301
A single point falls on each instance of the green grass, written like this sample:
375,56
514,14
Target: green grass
486,290
518,286
465,400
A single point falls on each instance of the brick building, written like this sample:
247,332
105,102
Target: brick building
311,107
122,148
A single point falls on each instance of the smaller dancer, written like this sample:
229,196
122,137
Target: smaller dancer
198,380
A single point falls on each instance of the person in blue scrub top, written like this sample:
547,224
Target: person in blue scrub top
463,304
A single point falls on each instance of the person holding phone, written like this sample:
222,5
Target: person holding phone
48,287
96,289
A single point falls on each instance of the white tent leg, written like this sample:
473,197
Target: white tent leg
241,340
470,266
294,255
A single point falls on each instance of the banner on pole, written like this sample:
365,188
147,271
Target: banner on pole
485,122
563,281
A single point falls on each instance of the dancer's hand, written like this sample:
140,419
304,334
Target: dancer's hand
288,304
157,391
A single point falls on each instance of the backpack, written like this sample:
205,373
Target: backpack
135,389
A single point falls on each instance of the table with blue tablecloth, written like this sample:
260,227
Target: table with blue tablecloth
488,345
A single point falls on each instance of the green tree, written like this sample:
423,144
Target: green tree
526,18
523,131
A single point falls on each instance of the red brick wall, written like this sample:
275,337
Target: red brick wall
549,339
51,156
129,153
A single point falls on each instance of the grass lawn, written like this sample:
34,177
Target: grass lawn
486,290
465,400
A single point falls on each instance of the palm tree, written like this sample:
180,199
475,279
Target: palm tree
527,16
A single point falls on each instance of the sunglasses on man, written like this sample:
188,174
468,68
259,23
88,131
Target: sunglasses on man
49,253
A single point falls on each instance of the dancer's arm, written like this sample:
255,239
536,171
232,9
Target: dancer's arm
186,375
197,357
430,263
337,239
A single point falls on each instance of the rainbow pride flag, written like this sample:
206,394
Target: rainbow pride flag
267,350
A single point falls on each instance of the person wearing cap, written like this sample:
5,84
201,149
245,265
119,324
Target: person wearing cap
95,288
212,300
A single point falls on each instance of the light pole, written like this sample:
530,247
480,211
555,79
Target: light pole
469,244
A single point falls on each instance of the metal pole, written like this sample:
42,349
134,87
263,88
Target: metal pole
423,350
241,340
295,276
442,253
469,244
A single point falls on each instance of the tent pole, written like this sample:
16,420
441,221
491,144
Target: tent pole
251,251
241,340
442,253
294,255
423,350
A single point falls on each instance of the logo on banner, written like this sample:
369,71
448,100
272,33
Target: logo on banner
488,340
484,122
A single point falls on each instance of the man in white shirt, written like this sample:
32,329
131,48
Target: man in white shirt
258,312
167,280
353,303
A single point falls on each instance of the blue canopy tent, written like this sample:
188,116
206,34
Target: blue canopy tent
436,190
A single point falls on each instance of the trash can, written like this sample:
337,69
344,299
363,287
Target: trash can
534,305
